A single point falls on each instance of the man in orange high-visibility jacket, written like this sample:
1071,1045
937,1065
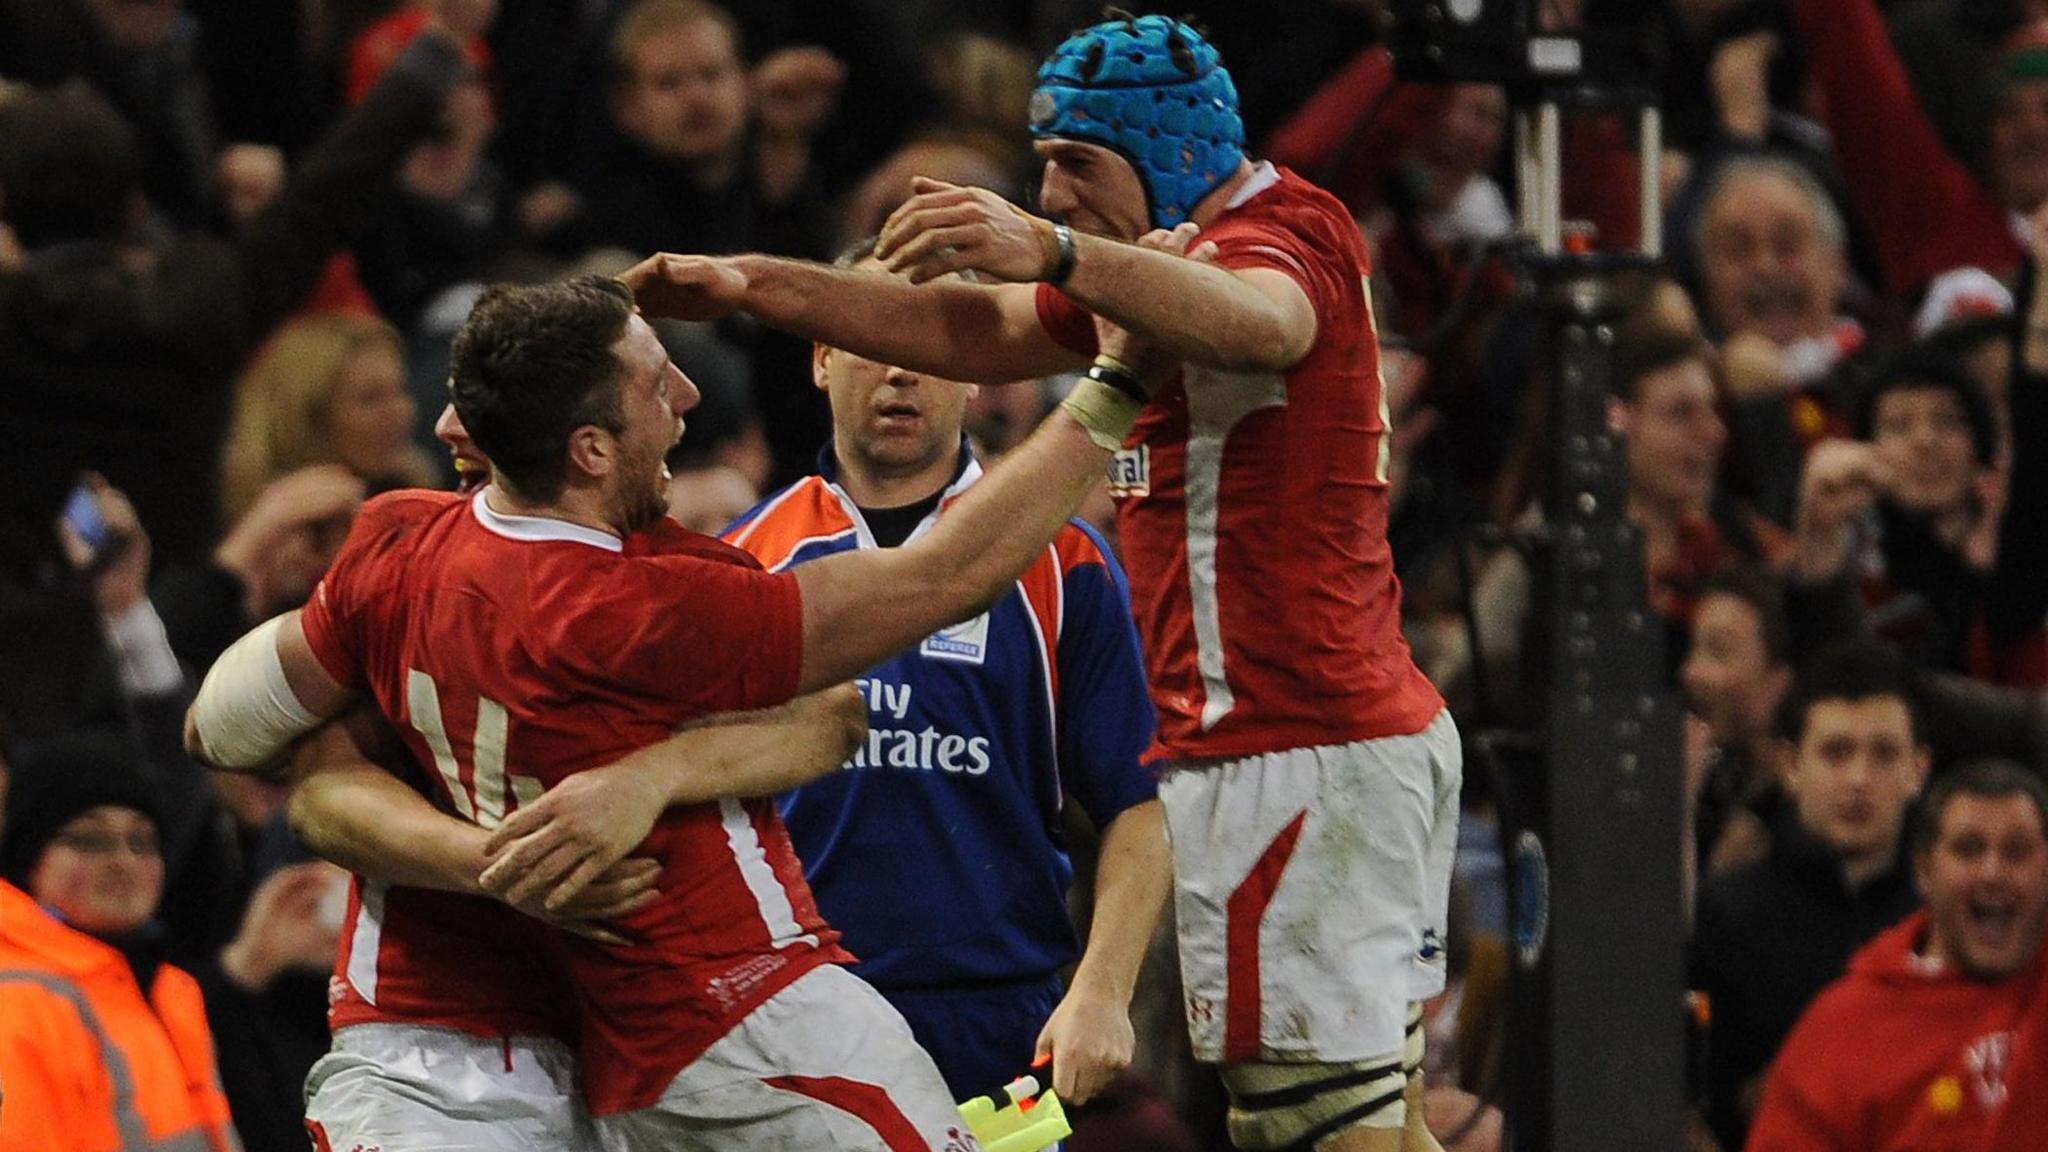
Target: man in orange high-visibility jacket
102,1048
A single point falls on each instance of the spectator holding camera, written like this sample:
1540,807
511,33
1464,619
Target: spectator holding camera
259,946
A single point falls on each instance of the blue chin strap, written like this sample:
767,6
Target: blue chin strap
1155,91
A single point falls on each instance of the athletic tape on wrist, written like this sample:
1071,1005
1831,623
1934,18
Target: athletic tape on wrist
1104,412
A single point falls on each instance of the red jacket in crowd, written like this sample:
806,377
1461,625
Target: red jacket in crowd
1904,1055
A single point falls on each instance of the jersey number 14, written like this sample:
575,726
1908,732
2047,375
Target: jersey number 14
479,794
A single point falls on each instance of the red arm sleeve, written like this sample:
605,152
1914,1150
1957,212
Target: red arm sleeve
1925,212
331,618
1069,324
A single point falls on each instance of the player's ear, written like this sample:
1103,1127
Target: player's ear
821,360
593,451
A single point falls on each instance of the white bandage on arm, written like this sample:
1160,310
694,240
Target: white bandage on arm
246,712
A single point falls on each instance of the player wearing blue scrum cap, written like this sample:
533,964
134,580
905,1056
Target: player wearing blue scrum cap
1312,791
1157,94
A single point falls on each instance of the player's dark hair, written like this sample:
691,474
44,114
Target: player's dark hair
1990,779
532,364
1851,670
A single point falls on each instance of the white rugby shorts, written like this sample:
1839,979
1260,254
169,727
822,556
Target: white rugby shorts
1310,894
825,1063
409,1088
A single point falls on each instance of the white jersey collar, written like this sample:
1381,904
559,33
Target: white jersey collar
1263,176
538,529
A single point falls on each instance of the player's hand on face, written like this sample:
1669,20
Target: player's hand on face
1114,340
548,852
672,287
1180,240
1090,1041
945,228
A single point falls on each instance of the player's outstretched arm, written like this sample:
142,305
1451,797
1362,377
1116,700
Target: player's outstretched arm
264,693
862,606
548,851
349,809
1253,319
742,754
978,333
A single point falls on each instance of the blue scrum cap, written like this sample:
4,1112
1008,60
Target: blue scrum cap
1153,89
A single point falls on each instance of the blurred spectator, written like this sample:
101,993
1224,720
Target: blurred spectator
697,160
116,350
555,77
1928,1040
707,499
328,388
267,562
1769,936
102,1044
2017,602
1770,252
1913,514
1967,317
142,56
1771,258
957,158
701,156
266,998
377,48
986,85
447,222
999,419
2018,159
1737,670
269,1026
1663,400
1925,212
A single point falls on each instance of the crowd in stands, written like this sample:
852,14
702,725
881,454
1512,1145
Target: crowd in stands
236,241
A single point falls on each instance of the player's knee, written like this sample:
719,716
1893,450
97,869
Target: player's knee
1291,1107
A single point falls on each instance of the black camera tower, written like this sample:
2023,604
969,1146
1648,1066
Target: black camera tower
1595,1058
